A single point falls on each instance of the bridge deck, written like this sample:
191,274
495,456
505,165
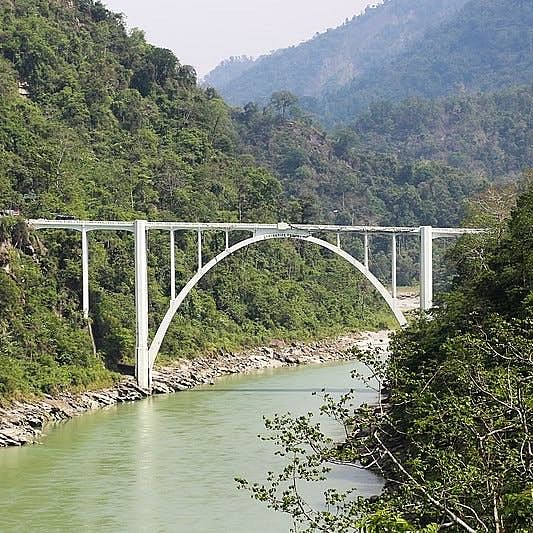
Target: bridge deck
95,225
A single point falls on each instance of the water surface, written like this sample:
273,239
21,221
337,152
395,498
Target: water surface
168,463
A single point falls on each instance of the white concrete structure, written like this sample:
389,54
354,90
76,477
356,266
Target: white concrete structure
146,352
426,268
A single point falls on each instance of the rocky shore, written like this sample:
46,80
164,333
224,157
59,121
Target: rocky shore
23,423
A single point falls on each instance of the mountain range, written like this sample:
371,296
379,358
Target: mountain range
398,49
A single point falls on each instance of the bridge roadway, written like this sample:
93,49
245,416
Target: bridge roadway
95,225
147,352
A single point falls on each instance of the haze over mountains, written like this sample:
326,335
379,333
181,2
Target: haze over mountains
396,50
332,58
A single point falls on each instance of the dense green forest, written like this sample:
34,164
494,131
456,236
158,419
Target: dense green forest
452,431
344,185
400,161
97,123
489,135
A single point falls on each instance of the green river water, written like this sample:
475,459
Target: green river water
168,463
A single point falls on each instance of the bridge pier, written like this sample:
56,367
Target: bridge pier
394,269
85,272
172,266
200,250
142,361
426,268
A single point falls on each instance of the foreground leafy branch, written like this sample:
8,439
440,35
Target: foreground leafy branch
453,443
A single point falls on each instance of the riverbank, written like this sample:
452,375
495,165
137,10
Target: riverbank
24,422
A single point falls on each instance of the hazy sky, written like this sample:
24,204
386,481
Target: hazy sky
203,32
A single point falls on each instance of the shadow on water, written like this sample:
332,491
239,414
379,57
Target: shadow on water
310,390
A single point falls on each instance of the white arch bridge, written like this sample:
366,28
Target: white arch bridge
146,352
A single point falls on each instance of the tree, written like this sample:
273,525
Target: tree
283,102
451,429
460,459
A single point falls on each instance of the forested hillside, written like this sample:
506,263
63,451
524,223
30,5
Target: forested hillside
485,134
97,123
485,46
228,70
400,49
341,184
333,58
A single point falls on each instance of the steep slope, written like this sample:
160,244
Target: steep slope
337,183
397,50
228,70
335,57
487,134
485,46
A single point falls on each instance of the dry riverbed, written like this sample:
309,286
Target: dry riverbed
23,423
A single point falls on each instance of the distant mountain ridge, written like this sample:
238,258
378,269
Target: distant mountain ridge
332,58
486,46
228,70
399,49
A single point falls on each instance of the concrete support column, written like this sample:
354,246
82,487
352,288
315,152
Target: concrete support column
227,240
172,266
338,240
426,268
394,268
366,251
85,272
142,362
200,250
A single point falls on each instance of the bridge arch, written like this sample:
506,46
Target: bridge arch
176,303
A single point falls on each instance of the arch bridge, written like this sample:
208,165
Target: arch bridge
146,351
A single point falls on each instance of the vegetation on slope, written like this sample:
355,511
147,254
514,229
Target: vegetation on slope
485,46
43,341
333,58
400,49
227,70
343,184
452,431
485,134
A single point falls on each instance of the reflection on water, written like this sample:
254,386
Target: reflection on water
167,463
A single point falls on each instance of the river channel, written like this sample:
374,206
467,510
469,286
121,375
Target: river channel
168,463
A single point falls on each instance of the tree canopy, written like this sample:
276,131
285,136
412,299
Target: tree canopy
450,431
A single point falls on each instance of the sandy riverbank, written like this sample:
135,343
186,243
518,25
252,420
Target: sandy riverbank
24,422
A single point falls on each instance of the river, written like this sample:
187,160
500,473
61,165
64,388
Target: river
168,463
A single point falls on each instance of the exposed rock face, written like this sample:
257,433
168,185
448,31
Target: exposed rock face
23,423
